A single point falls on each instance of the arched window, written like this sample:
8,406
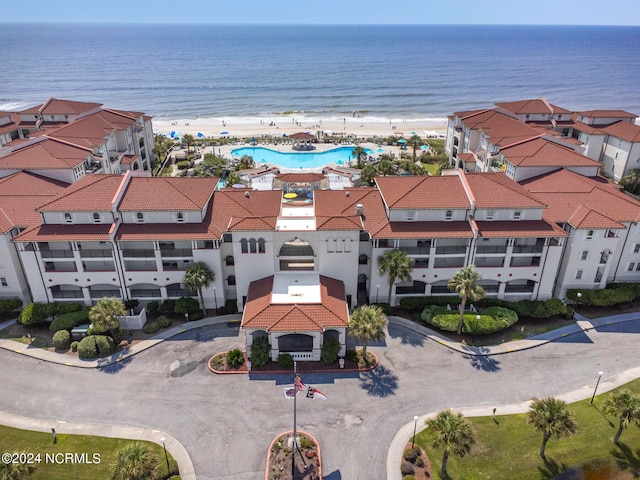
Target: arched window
244,245
231,280
67,218
261,247
96,218
140,217
229,261
448,215
252,245
296,248
363,259
180,217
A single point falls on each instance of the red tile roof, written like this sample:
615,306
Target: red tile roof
133,232
538,106
92,130
66,233
129,159
521,229
500,128
540,152
48,154
629,132
331,312
147,194
54,106
257,211
91,193
568,193
336,210
424,230
300,177
496,190
607,114
421,193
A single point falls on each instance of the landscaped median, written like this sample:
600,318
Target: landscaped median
280,458
590,453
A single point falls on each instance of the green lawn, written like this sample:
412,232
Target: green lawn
508,448
34,341
14,440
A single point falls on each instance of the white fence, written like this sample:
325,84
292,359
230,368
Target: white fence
133,322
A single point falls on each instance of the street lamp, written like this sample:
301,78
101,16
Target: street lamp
597,383
415,425
215,299
475,327
163,440
377,291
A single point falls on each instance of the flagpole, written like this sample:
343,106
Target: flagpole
294,443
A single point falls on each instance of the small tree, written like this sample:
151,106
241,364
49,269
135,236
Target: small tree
359,154
103,314
368,173
465,284
197,276
453,434
396,265
553,418
15,470
626,406
415,141
188,139
367,323
135,461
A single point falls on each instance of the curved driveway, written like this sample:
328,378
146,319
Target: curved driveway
226,422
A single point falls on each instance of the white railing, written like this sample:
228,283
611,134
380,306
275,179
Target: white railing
133,322
301,355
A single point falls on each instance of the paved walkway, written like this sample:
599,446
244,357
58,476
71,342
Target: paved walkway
394,456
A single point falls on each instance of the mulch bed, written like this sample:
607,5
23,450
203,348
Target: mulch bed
419,472
307,461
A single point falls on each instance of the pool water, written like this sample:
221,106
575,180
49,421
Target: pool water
341,155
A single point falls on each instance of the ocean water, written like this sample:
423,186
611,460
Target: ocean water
206,73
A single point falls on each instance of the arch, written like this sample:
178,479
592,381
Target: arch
330,333
67,217
244,245
231,280
140,217
417,287
176,290
180,217
363,259
440,287
257,334
253,245
295,342
98,291
96,218
229,261
65,292
296,248
261,245
490,286
145,290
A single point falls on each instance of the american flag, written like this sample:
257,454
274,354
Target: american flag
297,382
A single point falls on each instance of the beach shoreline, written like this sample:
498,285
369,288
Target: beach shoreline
244,127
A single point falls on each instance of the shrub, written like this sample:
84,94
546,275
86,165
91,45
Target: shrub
196,316
59,308
330,350
87,346
285,361
492,320
168,306
406,469
9,304
62,340
151,327
351,355
67,321
386,308
186,305
419,462
410,455
153,306
260,351
33,314
74,346
235,358
164,321
413,303
409,477
605,297
306,442
182,165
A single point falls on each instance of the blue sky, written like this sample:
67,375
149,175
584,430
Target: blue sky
556,12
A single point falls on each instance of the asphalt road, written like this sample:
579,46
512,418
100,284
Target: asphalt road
226,422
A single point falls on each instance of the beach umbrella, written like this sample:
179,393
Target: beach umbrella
412,133
200,134
224,133
339,162
402,140
424,147
380,150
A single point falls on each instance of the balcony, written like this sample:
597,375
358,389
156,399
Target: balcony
176,252
60,267
451,250
416,250
138,253
140,266
451,262
420,263
489,262
528,248
56,253
96,253
489,249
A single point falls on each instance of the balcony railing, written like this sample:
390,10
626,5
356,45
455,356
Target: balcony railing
454,250
486,249
138,253
176,252
527,248
63,294
56,253
416,250
96,253
60,267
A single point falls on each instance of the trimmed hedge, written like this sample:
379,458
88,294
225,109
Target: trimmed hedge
260,351
36,313
186,305
285,360
67,321
62,340
330,350
168,306
163,321
492,320
182,165
151,327
9,304
153,306
74,346
614,294
87,346
198,315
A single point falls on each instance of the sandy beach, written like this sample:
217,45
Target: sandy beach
360,127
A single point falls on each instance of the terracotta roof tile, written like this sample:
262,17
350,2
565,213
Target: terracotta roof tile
66,233
606,114
501,128
425,230
522,229
337,209
232,207
54,106
148,194
92,130
92,193
496,190
629,132
540,152
300,177
47,154
538,106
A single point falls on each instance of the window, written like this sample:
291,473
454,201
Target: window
490,214
252,245
231,280
331,247
244,244
3,282
67,218
180,217
363,260
636,248
227,237
517,215
638,267
631,267
140,217
261,247
347,245
585,255
96,218
229,261
410,215
589,234
578,274
448,215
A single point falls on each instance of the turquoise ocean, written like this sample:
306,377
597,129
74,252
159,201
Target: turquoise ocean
213,72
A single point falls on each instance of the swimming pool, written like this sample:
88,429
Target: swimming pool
341,155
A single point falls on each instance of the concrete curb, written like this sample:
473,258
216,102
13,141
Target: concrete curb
177,450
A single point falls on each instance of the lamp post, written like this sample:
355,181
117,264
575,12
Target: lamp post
475,327
163,440
415,425
215,299
377,292
597,383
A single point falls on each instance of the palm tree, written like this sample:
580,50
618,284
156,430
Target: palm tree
359,154
15,471
135,461
367,323
386,167
631,181
246,162
368,172
188,139
197,276
553,418
233,179
397,266
627,407
465,283
453,433
103,314
415,141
